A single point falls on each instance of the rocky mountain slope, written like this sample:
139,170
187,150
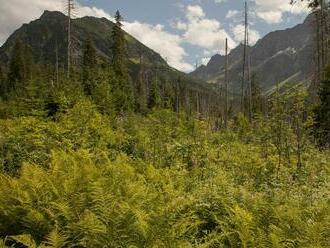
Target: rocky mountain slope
280,57
49,33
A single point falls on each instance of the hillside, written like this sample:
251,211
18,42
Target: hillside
50,29
280,56
48,32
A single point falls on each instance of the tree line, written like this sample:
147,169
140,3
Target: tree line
115,92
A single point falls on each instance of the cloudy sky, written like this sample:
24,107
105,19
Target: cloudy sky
182,31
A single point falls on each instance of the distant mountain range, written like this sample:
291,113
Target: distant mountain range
280,57
49,33
50,29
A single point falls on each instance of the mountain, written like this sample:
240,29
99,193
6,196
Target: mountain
280,57
43,34
49,33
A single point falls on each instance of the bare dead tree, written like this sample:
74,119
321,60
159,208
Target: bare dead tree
248,57
244,56
70,7
56,64
226,86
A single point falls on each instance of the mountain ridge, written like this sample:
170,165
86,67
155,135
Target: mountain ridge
48,33
52,24
275,58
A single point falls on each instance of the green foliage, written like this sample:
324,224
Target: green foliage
89,67
168,98
2,82
322,115
154,98
256,94
119,49
122,94
281,133
141,94
102,93
20,69
79,169
86,179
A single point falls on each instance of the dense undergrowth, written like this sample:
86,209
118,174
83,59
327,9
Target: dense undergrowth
85,179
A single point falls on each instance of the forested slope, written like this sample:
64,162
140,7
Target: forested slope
47,39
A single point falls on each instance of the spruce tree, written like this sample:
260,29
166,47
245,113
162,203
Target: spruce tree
300,123
2,82
119,50
322,115
279,126
122,86
20,68
141,95
169,95
89,67
256,94
17,66
177,95
154,98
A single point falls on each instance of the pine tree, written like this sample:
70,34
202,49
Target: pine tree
280,129
2,82
122,86
119,50
176,106
103,94
154,98
256,95
140,90
141,95
89,67
20,69
17,66
299,122
168,98
322,115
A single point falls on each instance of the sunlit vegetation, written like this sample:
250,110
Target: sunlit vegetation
103,160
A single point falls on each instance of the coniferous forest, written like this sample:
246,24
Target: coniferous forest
97,154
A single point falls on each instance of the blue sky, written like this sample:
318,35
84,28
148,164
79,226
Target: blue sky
182,31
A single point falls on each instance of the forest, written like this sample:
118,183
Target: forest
92,155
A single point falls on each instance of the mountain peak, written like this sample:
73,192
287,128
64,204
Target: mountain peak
50,30
271,58
51,15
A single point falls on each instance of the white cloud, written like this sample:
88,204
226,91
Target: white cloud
272,11
203,32
207,53
220,1
92,11
271,17
165,43
206,60
238,33
180,25
232,14
194,11
14,13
